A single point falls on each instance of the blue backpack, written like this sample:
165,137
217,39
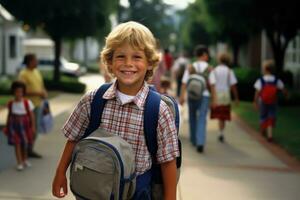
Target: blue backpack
151,114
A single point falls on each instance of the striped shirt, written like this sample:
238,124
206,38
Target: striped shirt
126,120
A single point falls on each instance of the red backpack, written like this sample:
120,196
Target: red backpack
268,93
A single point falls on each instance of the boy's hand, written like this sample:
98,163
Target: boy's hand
59,186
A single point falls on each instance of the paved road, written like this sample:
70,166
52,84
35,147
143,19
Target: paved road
240,169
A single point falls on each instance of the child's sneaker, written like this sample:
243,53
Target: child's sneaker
27,164
20,167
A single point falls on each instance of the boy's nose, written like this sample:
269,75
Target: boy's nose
128,61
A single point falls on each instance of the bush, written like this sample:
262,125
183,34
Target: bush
293,100
5,83
287,78
246,79
66,84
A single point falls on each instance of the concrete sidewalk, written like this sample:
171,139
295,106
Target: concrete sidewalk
241,168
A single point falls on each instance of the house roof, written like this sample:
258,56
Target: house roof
5,14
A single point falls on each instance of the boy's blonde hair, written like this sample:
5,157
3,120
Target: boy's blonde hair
269,66
136,35
225,58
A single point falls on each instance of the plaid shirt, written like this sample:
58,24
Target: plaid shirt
127,121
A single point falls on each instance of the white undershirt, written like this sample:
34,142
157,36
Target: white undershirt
18,107
124,98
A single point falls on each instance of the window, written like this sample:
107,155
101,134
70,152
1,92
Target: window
12,46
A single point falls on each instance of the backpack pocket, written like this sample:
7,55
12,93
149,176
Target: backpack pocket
93,178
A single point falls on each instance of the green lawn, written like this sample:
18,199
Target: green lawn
287,130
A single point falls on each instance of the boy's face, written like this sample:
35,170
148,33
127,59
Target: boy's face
129,65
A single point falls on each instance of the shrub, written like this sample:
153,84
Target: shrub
293,100
5,83
246,79
287,78
66,84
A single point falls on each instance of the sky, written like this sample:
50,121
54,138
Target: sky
180,4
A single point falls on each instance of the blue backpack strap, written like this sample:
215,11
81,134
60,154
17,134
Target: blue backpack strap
97,107
275,81
262,81
151,114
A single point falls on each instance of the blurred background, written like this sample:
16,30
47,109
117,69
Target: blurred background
67,36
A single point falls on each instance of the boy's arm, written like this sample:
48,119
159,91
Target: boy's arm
255,100
235,94
213,95
169,177
182,94
60,180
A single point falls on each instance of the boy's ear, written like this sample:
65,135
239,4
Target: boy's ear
150,67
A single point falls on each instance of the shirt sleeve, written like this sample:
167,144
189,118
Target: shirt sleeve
185,76
78,121
257,85
167,138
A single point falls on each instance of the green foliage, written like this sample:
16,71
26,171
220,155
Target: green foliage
246,79
281,22
292,100
196,25
64,19
93,68
4,99
5,83
287,77
152,13
66,84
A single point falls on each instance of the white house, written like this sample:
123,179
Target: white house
11,47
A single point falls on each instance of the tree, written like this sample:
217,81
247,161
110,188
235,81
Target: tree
193,27
281,22
62,19
233,22
152,13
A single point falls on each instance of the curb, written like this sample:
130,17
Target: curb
292,162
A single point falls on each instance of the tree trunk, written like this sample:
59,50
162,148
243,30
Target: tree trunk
278,48
57,52
235,49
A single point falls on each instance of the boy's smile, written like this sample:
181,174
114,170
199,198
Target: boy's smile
129,65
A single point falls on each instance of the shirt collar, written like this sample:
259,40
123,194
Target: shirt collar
139,98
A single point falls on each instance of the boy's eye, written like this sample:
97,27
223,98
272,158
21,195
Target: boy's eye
137,56
119,56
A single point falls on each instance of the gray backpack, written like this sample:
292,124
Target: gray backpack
102,167
197,83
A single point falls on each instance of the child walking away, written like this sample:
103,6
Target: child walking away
20,124
130,56
224,81
265,98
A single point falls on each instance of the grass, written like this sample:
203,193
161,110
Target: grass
287,130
